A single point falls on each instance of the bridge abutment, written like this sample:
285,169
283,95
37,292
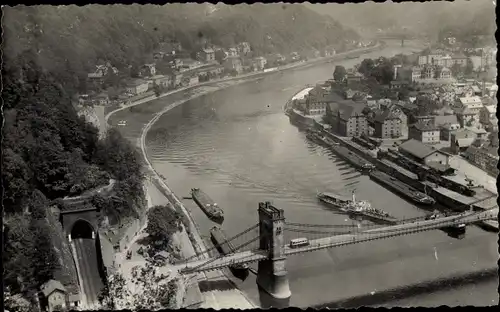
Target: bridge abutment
272,276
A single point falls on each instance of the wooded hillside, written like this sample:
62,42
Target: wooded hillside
70,40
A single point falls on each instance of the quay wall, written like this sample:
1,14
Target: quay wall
441,198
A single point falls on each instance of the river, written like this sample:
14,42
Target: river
238,146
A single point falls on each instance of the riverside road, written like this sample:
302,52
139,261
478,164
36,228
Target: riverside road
238,146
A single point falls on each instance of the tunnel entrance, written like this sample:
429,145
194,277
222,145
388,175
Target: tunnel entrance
82,229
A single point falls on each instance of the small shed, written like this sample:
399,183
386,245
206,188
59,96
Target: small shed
55,296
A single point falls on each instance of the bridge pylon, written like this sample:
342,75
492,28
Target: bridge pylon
272,275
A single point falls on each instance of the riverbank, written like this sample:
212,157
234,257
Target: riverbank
306,64
193,244
160,183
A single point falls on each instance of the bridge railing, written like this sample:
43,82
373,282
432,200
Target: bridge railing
389,233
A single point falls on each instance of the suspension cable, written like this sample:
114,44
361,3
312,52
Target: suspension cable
317,232
354,226
320,225
222,243
222,256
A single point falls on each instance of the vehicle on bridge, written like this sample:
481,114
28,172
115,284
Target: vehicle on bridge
220,241
207,205
299,242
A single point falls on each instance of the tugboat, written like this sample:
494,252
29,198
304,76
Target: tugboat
219,239
207,205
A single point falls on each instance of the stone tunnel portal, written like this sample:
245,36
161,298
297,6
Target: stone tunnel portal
82,229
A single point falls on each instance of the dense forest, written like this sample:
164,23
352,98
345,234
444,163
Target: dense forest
70,40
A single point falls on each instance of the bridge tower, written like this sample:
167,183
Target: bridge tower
272,275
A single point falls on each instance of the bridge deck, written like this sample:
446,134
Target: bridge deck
342,240
236,258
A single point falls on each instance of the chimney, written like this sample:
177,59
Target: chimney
396,71
483,89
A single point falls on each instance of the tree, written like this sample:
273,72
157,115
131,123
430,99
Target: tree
134,71
469,67
456,69
153,290
17,256
384,72
163,221
156,89
403,94
339,73
37,205
45,260
220,55
366,67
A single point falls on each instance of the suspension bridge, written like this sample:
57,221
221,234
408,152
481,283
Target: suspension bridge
265,242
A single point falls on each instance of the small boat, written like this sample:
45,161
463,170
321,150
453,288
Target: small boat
122,123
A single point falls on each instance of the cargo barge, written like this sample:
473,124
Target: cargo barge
355,208
219,239
344,153
401,188
207,205
489,225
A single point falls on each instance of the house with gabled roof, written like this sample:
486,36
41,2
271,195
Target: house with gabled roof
54,296
422,153
460,140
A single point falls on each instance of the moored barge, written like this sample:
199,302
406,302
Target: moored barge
344,153
219,239
401,188
207,205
